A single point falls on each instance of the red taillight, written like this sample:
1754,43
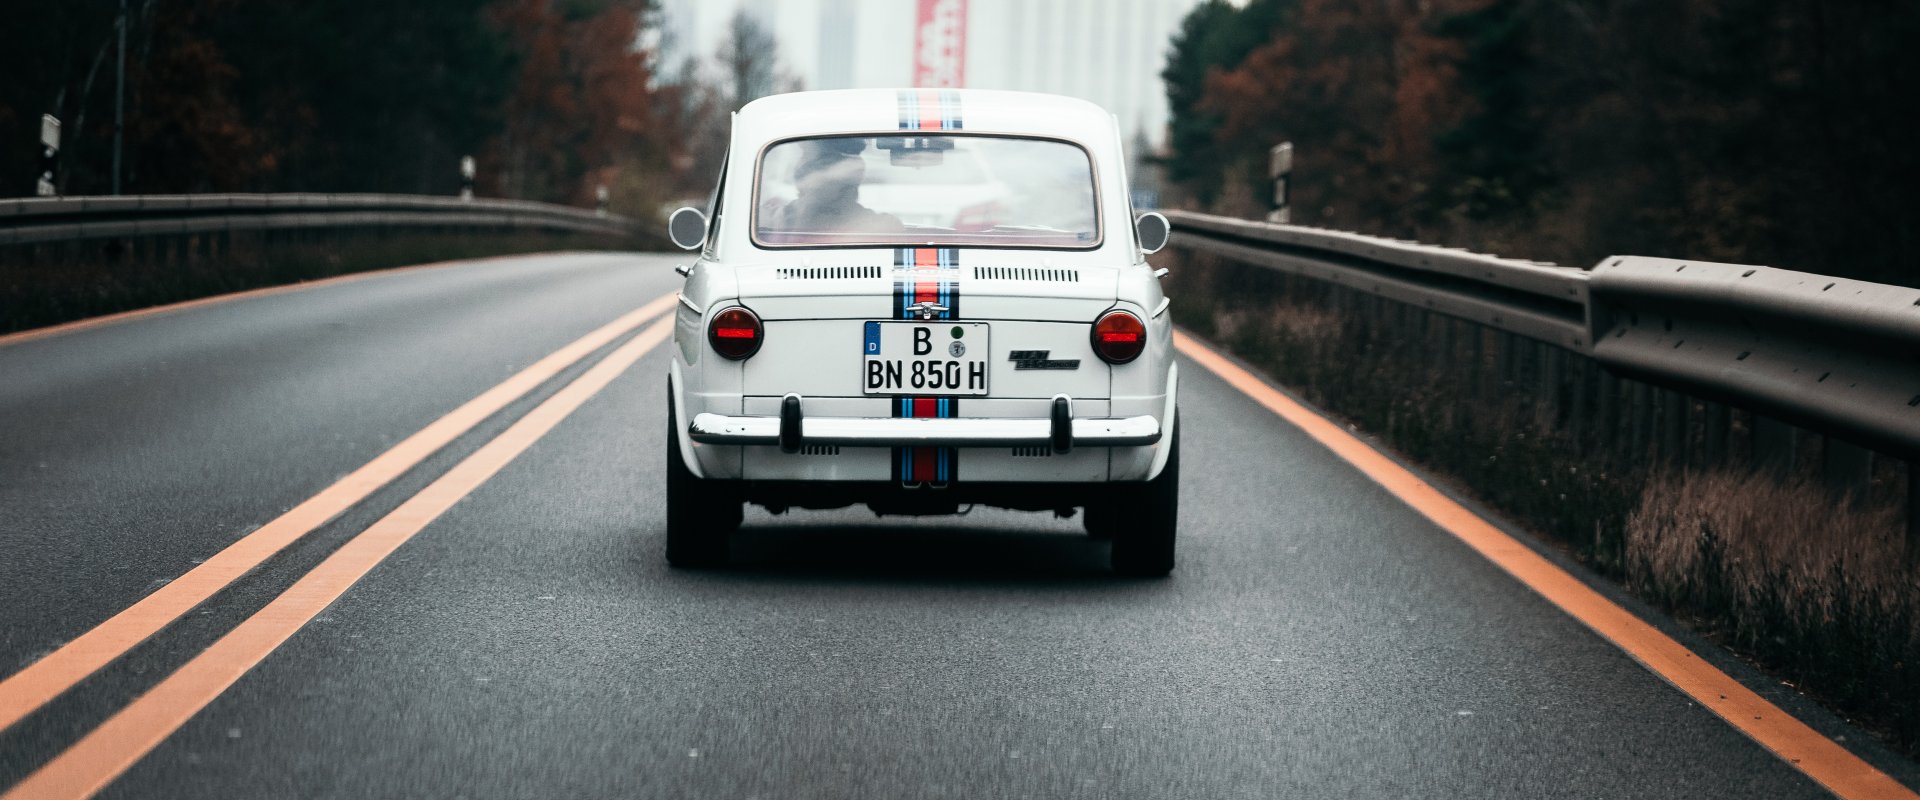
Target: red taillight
734,333
1119,337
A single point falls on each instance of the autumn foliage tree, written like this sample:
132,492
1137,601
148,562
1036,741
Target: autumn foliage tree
582,112
1756,131
1216,35
1359,88
554,97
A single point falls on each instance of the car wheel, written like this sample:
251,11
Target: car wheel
701,514
1144,522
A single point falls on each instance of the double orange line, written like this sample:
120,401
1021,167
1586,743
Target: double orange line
126,737
129,735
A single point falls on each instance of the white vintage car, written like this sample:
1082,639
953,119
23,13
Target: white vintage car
922,300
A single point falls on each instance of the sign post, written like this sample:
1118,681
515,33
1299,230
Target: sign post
120,96
1280,169
49,155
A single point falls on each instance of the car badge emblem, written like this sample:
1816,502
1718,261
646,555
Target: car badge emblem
1037,359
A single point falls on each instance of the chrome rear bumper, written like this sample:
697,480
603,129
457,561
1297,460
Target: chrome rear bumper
791,430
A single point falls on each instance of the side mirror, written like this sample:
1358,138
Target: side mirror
1153,230
687,228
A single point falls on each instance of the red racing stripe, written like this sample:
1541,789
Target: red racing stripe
925,459
926,260
929,109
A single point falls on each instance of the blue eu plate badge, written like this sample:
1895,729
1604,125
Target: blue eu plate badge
873,338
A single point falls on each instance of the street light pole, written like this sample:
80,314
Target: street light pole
120,97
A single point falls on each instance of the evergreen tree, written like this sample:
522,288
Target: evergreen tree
1213,36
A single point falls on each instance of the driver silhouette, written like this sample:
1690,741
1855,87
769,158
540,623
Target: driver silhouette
827,183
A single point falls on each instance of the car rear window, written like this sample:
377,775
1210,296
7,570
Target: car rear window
888,190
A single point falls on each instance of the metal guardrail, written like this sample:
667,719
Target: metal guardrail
1537,300
36,220
1836,356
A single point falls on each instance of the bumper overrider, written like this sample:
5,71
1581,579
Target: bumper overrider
792,429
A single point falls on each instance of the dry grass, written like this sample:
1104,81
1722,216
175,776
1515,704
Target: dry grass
1820,590
1817,590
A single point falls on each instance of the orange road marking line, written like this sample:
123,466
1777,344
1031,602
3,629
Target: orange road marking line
27,690
1841,772
31,334
109,750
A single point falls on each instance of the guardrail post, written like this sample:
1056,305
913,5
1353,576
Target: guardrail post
1673,426
1719,420
1476,360
1552,370
1913,513
1581,389
1848,469
1774,443
1639,426
466,177
1607,431
1502,360
1423,332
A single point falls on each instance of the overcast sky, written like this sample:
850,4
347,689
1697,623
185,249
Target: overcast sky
1107,51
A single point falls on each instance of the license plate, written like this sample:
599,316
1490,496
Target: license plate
933,357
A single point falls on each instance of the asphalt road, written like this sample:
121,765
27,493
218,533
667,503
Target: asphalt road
1319,639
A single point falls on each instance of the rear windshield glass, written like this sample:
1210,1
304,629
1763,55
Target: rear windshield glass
920,190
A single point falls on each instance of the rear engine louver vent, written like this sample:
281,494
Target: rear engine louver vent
1026,274
819,450
1040,451
829,273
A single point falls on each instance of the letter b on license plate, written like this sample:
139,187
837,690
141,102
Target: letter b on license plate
932,357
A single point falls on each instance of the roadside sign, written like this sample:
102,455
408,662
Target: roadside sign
940,44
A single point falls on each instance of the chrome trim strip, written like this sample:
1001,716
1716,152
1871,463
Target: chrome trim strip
953,432
1162,308
689,303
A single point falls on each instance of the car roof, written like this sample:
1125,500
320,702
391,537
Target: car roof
785,116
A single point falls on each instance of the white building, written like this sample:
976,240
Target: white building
1107,51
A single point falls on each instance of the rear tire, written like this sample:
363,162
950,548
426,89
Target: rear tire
701,514
1100,520
1144,522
